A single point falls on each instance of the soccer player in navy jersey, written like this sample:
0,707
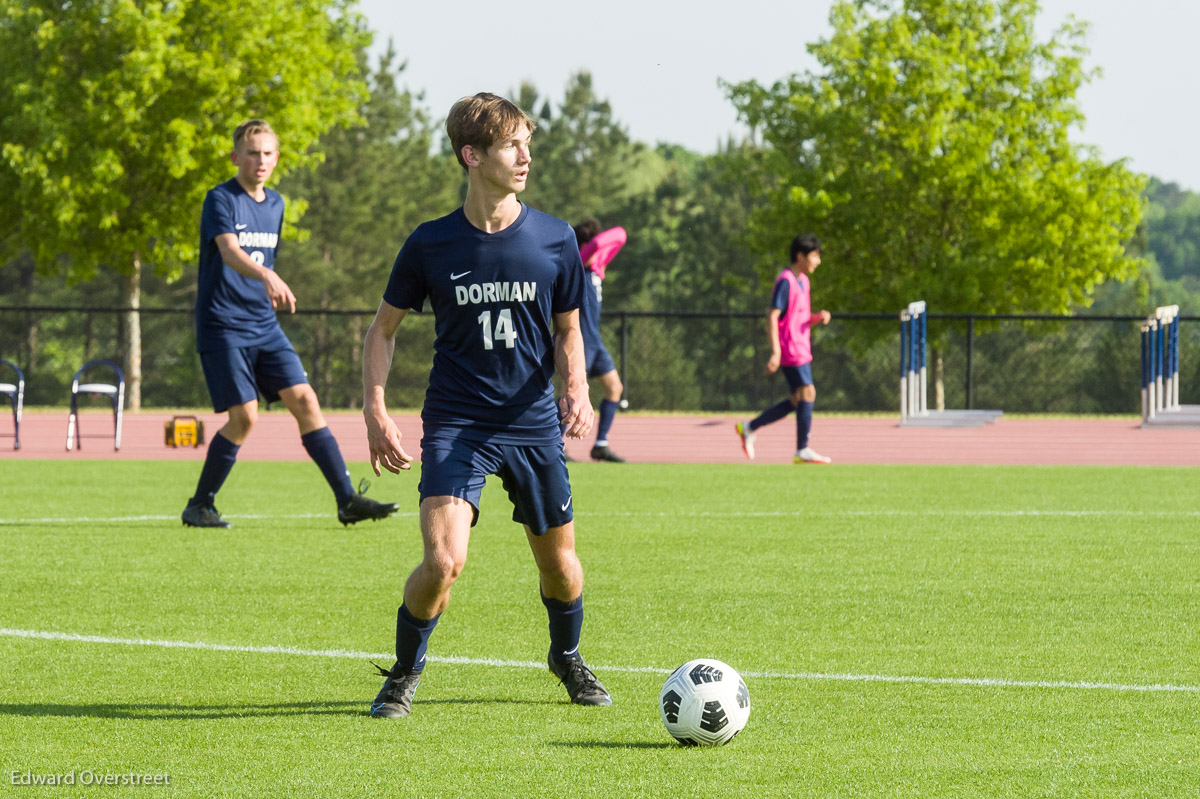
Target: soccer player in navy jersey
597,248
789,321
505,284
243,350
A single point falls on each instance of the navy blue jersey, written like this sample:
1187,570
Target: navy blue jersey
493,297
589,312
233,310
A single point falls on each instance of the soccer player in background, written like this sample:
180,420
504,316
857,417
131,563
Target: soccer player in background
505,284
789,320
243,350
597,248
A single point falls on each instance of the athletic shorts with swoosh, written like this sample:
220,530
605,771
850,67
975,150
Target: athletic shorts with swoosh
535,477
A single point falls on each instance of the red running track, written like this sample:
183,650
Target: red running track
666,439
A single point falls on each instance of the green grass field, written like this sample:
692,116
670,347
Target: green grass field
904,631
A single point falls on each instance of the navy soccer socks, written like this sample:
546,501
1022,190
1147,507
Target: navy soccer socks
608,412
323,448
412,639
566,624
803,424
772,414
222,454
412,634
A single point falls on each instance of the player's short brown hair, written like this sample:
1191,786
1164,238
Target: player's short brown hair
251,127
481,121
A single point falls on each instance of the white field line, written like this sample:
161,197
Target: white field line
964,513
170,518
683,514
982,682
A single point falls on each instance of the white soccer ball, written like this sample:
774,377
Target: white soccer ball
704,703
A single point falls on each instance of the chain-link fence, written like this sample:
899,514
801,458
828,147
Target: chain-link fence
1017,363
669,361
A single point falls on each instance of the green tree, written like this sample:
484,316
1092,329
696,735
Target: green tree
115,118
685,249
1173,229
378,181
685,254
581,154
932,155
1168,239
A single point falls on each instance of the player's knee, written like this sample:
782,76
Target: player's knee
306,404
614,388
442,570
241,421
563,569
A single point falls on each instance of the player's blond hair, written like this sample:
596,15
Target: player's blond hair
252,127
482,120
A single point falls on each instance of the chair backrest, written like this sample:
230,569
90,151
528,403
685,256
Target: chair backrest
99,362
20,375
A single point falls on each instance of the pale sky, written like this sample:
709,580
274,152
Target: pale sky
658,63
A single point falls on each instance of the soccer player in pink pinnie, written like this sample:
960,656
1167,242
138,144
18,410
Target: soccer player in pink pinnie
597,248
789,321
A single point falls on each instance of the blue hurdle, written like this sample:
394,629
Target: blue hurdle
914,394
1160,372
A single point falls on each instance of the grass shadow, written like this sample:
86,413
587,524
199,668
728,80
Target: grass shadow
615,745
165,712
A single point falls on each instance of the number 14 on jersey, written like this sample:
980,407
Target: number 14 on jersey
503,331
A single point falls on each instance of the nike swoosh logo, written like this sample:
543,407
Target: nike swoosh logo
239,227
566,504
460,274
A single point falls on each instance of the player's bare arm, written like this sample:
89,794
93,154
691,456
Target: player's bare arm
773,339
576,407
236,259
379,346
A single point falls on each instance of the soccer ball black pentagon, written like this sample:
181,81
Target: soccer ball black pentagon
704,703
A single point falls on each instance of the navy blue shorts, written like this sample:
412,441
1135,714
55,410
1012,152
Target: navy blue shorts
798,375
599,362
535,477
237,376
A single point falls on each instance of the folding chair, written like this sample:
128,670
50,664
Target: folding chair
16,393
114,391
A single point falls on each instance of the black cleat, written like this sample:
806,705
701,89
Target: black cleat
203,516
582,685
606,454
395,697
357,508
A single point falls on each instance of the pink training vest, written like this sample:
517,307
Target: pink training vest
794,344
602,249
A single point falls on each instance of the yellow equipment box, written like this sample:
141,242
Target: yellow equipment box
184,431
